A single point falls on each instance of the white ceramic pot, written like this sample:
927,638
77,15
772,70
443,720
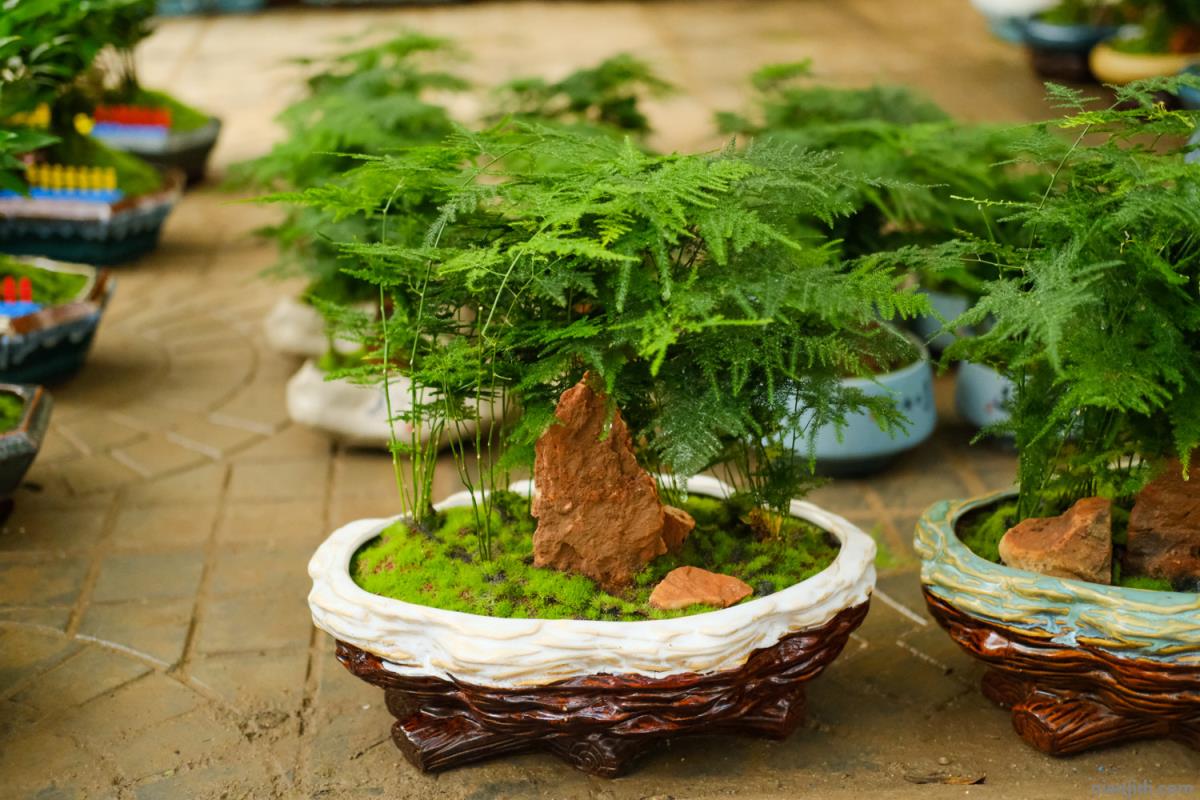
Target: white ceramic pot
981,394
485,651
357,414
929,327
295,328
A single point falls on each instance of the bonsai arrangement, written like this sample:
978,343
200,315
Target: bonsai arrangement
66,195
24,415
925,178
1061,39
1080,590
153,125
1164,41
49,312
652,317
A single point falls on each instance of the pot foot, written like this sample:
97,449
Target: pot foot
433,744
1065,698
1063,725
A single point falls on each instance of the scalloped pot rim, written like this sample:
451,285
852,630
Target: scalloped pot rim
1142,623
506,652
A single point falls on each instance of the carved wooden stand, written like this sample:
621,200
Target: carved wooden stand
1065,699
600,723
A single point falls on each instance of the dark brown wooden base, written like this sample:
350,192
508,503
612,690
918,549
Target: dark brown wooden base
601,723
1066,700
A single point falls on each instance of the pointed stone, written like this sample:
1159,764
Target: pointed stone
1164,528
687,586
1077,544
598,511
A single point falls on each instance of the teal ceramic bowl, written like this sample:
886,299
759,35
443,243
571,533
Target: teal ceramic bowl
861,446
1152,625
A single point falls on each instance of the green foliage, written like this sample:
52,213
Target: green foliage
12,409
1163,26
367,101
50,287
45,47
1097,321
1086,12
440,566
671,279
606,96
924,178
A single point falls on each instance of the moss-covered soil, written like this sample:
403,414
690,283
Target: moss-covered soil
184,118
134,176
982,529
12,408
441,566
50,287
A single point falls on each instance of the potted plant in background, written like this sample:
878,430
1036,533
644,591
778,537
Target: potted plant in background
49,312
1164,40
157,127
24,416
925,178
1007,18
1060,40
360,102
1080,590
648,315
68,196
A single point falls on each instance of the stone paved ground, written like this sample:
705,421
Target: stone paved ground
154,637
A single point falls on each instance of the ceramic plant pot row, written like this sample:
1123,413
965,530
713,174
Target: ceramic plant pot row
1114,66
1061,52
175,8
356,414
52,343
186,152
465,687
19,446
88,232
295,328
1079,665
1007,18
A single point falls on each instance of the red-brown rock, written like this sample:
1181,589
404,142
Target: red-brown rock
677,524
1077,544
598,512
1164,528
687,586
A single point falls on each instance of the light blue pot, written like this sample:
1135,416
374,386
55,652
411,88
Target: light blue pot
982,395
862,446
929,328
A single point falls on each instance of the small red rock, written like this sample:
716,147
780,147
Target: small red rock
1077,544
1164,528
677,524
686,586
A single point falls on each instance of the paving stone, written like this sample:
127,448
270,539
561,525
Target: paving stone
44,582
158,455
256,680
254,622
297,479
163,527
200,485
148,577
88,673
25,654
96,432
210,439
63,530
157,629
95,473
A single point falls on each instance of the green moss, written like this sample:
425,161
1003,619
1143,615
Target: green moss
134,176
441,567
981,530
12,408
184,118
49,286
